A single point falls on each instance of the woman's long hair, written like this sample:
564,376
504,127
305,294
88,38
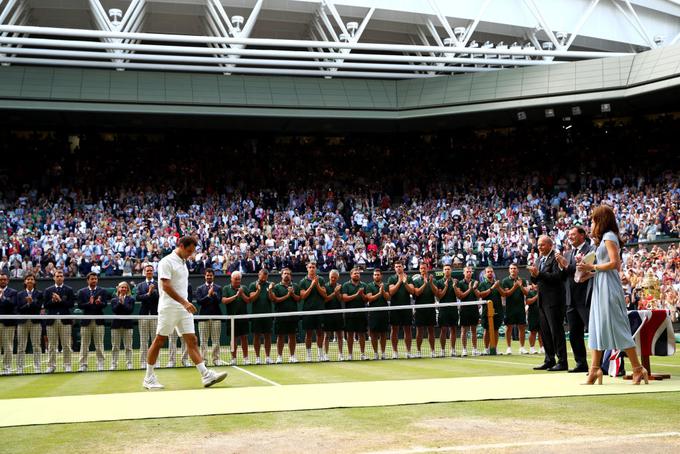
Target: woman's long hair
604,220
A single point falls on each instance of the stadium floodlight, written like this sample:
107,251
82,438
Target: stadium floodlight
459,32
521,115
344,37
237,21
576,110
547,45
352,28
449,42
116,15
549,113
516,47
502,46
474,44
489,45
560,36
606,107
658,39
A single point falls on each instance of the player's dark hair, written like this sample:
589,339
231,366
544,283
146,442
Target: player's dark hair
187,241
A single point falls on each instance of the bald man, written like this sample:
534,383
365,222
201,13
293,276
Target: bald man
551,305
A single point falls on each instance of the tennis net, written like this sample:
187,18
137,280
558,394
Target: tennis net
70,343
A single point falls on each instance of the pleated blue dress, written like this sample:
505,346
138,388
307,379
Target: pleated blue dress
608,327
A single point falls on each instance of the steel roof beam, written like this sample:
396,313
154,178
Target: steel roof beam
582,20
283,43
265,53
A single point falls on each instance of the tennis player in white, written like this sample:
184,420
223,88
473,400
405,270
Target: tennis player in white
175,312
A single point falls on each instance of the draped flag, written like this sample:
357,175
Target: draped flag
653,332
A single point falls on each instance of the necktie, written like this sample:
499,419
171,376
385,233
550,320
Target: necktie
542,262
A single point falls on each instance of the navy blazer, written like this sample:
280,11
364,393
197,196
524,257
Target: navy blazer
92,308
149,300
550,285
62,307
8,305
210,305
32,308
577,294
125,307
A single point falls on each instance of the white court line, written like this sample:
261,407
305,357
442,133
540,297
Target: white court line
520,444
665,365
259,377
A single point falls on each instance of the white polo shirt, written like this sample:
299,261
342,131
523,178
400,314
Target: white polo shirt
174,268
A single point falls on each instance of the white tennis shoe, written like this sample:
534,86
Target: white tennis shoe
211,378
152,383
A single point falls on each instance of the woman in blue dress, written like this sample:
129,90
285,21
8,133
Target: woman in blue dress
608,328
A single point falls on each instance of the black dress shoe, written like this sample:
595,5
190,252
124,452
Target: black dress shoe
578,369
544,366
558,368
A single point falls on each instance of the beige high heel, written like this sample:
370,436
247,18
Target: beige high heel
594,375
639,374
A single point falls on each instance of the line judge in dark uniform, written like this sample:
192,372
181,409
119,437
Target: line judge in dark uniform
92,300
147,295
59,300
8,306
577,295
29,302
209,298
551,304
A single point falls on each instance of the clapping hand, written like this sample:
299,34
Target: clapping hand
561,260
533,270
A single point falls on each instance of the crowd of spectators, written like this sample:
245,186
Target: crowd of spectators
110,203
663,265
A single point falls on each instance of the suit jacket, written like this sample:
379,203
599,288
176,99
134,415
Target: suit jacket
8,305
92,308
210,305
124,307
550,284
62,307
149,301
577,294
33,308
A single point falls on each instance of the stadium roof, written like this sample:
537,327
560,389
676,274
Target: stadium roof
391,39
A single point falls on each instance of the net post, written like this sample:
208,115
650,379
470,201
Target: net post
492,329
232,338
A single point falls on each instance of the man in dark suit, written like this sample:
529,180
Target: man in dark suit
8,306
92,300
577,295
551,304
59,300
29,302
147,295
209,298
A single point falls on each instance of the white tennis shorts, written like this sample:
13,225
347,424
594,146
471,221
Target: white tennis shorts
171,318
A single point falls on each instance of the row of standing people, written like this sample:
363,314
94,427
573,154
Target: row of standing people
263,296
